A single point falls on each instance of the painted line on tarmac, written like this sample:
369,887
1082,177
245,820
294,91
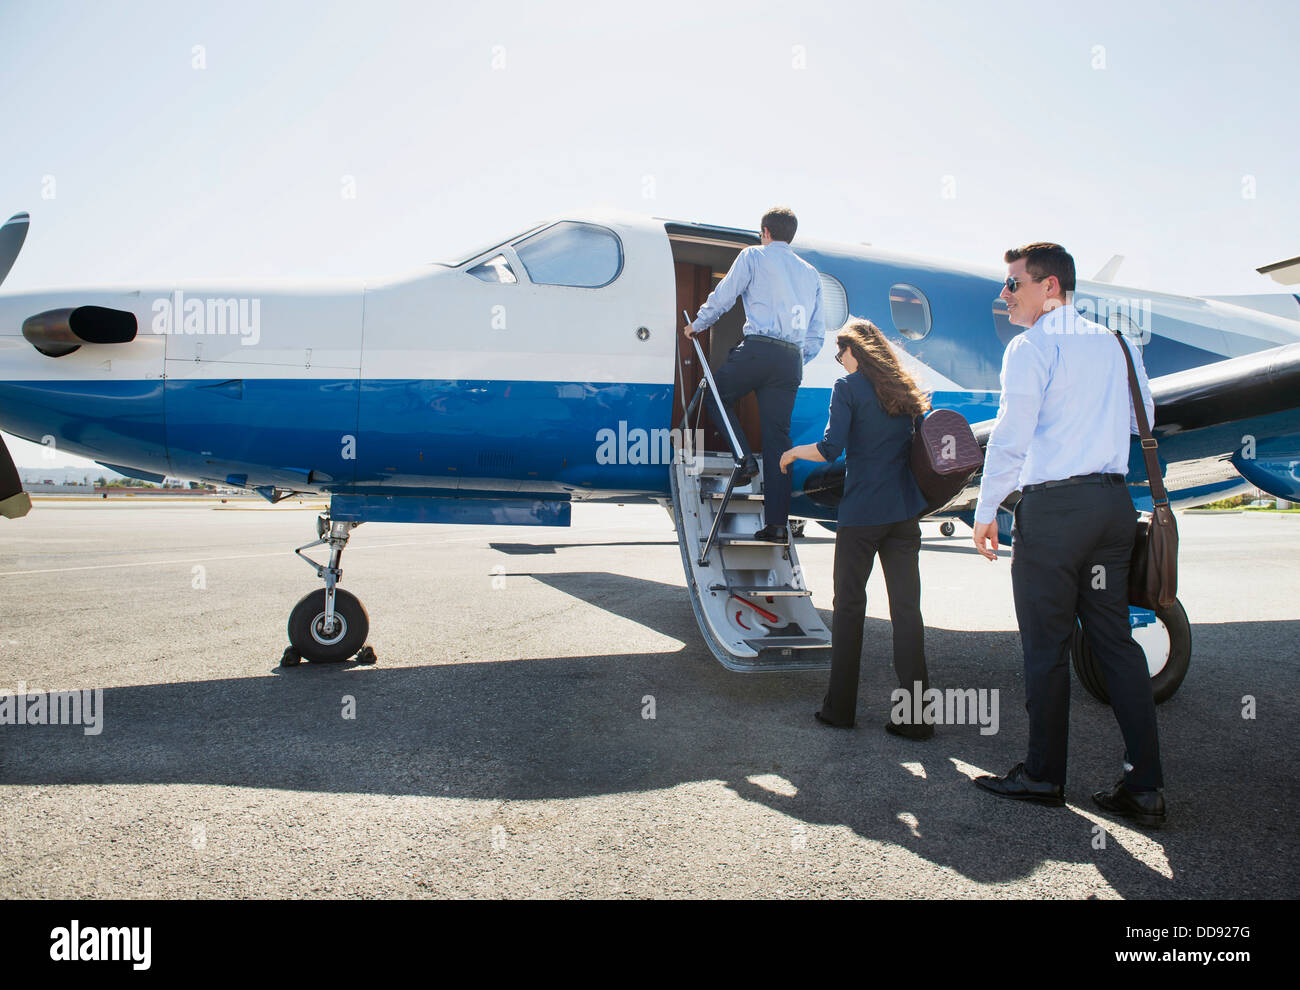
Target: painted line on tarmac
200,560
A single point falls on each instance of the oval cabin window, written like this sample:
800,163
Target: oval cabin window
910,311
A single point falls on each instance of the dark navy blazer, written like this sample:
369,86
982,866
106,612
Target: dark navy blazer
878,486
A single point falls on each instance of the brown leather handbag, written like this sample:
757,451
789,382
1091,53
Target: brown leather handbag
945,454
1153,569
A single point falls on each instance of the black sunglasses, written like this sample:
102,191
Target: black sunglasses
1012,284
839,357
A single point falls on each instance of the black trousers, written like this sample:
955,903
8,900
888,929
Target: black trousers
772,370
856,547
1070,555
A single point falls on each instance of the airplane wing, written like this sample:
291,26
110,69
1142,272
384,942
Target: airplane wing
1239,388
1237,416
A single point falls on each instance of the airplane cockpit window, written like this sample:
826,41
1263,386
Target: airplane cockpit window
575,254
495,270
910,310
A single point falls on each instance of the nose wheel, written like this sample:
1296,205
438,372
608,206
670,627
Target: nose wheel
314,637
329,625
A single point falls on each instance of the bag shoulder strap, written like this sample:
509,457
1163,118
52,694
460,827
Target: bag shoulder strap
1149,445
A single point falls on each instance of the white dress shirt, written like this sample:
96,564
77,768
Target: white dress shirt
782,294
1065,408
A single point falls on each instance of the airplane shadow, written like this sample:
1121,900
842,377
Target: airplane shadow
526,549
574,727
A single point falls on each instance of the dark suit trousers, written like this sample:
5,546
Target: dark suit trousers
1070,555
772,371
856,547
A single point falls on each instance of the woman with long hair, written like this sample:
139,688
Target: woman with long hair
872,414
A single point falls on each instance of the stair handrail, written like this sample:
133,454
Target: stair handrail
736,450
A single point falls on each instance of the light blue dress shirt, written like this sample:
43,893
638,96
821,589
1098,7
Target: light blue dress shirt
782,295
1065,408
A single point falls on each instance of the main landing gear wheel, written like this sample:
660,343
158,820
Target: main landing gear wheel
947,528
797,527
314,639
1165,637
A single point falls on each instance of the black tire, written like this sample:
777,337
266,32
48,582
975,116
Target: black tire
797,527
346,640
1165,683
947,527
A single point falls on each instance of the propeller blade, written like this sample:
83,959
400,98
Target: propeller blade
12,235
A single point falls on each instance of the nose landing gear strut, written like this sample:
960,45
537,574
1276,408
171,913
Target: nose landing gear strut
330,625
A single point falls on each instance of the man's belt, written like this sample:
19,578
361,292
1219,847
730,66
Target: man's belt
775,340
1078,479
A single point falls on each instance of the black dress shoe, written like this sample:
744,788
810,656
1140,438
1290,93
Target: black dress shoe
1019,785
834,725
1144,807
908,731
773,534
748,470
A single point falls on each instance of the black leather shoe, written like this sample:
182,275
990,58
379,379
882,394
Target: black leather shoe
1144,807
834,725
773,534
908,731
748,470
1019,785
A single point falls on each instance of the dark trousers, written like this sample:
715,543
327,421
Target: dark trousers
772,370
899,546
1070,555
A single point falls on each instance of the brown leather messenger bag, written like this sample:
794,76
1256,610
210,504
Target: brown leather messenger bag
1153,569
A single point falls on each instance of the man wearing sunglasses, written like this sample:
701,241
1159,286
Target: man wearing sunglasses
1062,439
784,330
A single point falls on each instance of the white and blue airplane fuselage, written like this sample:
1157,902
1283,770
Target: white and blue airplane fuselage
546,370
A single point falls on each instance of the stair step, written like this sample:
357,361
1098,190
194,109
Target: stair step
740,541
764,590
788,643
735,496
740,506
717,466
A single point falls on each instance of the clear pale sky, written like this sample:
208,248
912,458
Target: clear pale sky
1112,127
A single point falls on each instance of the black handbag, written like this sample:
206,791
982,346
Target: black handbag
1153,568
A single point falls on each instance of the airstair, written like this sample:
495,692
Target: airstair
750,599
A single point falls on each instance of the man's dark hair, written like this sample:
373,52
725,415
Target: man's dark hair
781,223
1043,258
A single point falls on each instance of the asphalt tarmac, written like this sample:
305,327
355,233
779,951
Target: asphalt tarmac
501,747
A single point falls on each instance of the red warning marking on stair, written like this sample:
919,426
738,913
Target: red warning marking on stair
769,616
